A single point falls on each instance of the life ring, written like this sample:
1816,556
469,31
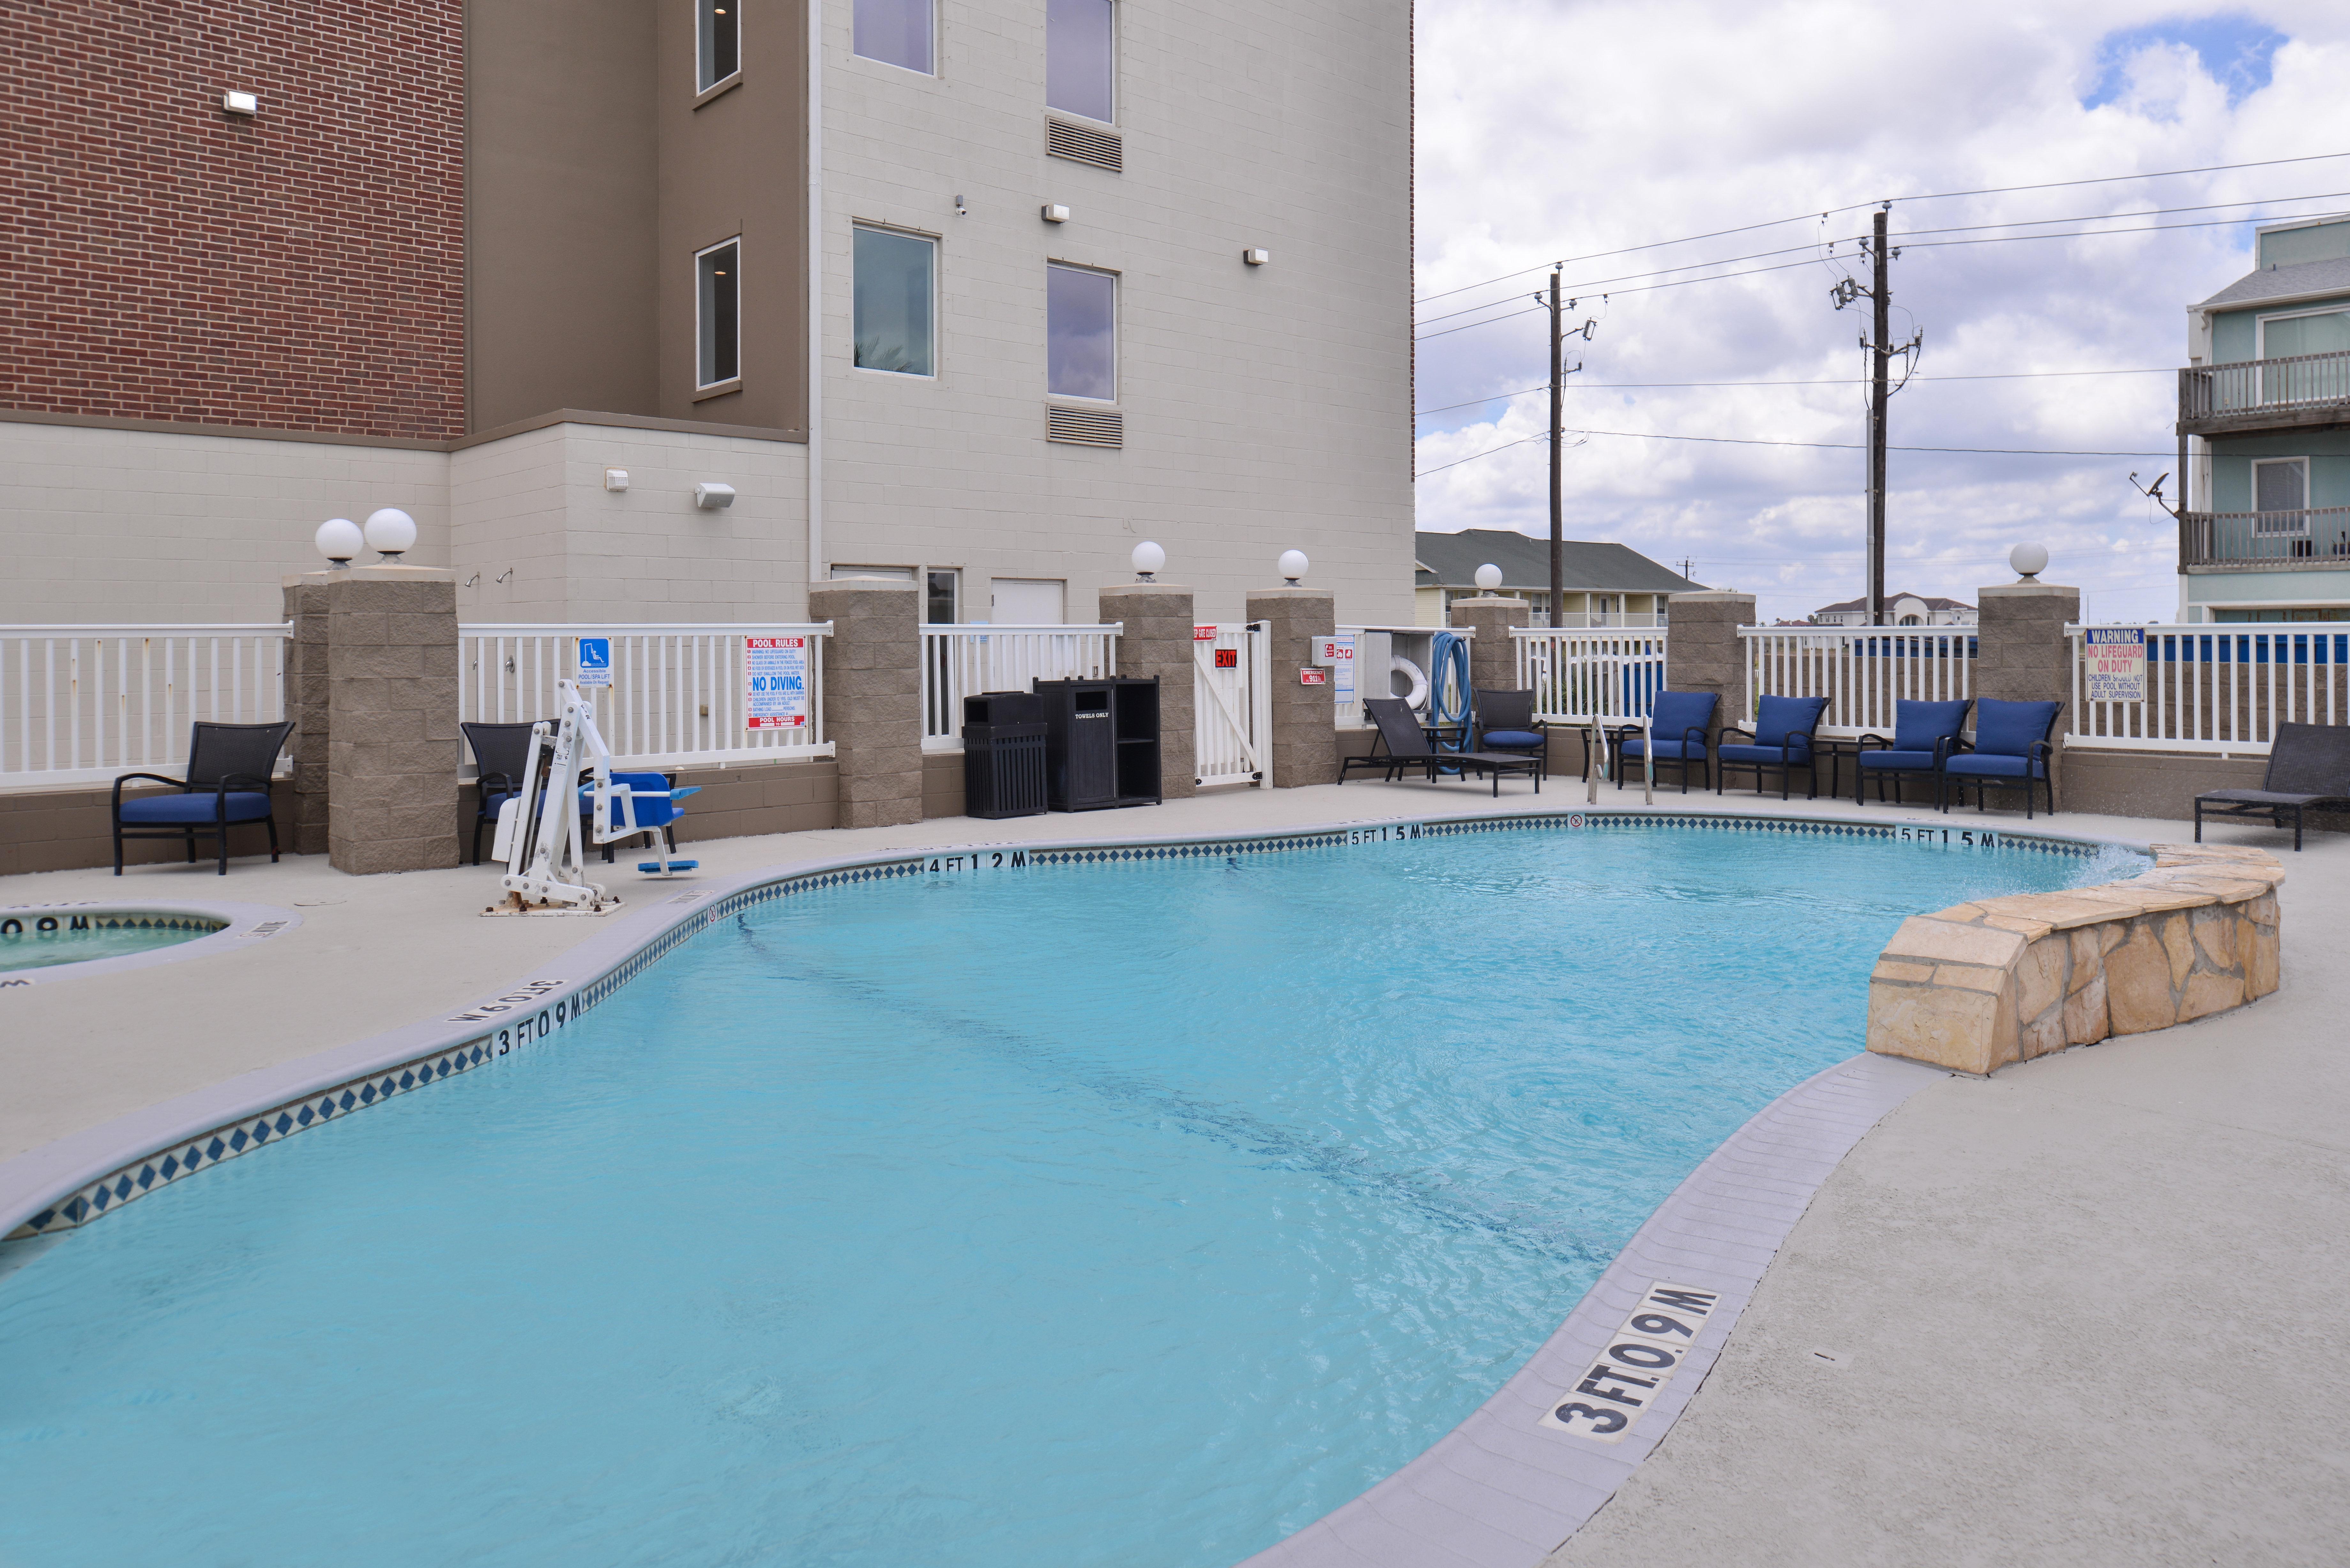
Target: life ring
1399,665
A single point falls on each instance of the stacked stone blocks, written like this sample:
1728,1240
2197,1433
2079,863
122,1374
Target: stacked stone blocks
1158,617
1979,985
307,700
391,722
873,697
1492,653
1305,717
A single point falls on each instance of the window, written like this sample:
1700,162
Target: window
945,586
1081,332
718,323
2280,495
2321,332
893,293
1080,57
896,33
718,51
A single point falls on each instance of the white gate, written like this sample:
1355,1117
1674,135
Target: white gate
1231,697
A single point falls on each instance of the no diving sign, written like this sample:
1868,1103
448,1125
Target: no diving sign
1639,1361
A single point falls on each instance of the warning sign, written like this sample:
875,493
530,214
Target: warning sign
775,682
2113,663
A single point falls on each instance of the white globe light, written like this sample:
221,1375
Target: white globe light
1489,576
338,539
1293,564
390,531
2029,560
1148,558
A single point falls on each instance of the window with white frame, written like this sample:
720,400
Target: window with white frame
1081,57
897,32
1080,332
2307,332
718,42
895,286
718,317
2280,495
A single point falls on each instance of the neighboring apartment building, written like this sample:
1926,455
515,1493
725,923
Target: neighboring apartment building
1904,609
977,292
2264,436
1603,584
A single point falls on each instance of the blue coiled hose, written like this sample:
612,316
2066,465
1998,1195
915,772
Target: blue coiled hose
1448,699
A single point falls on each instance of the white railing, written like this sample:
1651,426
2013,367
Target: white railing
80,704
2219,689
1862,670
1580,677
677,696
960,661
1596,620
1231,697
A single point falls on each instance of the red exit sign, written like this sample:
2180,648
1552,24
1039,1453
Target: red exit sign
1312,677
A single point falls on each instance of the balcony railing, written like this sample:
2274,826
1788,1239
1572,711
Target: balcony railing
2314,536
2257,387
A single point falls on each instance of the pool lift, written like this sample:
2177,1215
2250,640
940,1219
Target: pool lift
545,851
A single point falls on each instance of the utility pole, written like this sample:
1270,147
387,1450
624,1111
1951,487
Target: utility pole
1557,503
1881,297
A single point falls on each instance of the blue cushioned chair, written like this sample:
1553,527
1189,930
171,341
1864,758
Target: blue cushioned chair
1781,738
500,753
2011,747
1680,720
1505,723
1924,736
227,786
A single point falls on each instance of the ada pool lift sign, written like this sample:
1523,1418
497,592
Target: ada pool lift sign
595,661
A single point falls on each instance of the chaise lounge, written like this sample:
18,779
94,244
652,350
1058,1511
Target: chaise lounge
1407,746
2309,765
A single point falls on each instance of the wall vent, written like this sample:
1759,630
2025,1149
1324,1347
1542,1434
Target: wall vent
1102,149
1085,427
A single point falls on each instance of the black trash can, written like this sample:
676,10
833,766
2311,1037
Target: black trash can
1103,742
1004,754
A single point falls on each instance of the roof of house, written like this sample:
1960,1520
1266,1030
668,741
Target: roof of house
1450,560
2294,282
1932,602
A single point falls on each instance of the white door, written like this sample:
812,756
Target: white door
1232,705
1029,601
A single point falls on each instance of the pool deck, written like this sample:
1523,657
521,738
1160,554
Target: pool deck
2083,1310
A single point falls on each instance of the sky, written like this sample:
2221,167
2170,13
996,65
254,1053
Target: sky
1550,130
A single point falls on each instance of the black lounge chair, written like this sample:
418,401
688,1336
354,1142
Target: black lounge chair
2309,765
1924,736
1505,723
1679,722
2011,747
500,750
1781,737
227,786
1408,747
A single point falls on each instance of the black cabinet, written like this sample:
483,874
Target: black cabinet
1004,754
1101,743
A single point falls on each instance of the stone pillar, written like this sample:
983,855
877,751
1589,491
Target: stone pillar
306,704
1703,651
1158,641
1492,654
392,719
2024,656
1305,717
873,697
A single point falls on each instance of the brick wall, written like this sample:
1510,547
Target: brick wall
300,269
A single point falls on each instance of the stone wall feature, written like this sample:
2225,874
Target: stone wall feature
1158,617
1492,653
1305,717
392,741
873,697
304,829
1979,985
1703,651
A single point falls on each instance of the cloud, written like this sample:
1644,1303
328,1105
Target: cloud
1555,131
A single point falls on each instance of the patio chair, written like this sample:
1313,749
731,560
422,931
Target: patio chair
1681,721
1924,735
2309,765
1781,737
1407,746
2011,747
227,786
499,752
1505,723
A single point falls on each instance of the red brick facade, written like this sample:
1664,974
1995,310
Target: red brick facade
302,269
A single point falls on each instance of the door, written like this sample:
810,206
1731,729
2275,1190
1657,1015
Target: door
1029,601
1231,705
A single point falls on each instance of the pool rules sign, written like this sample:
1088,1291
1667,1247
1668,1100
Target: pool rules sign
774,683
2113,663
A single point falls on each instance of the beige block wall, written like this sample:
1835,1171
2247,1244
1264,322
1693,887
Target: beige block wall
1157,641
1305,717
873,706
71,829
391,721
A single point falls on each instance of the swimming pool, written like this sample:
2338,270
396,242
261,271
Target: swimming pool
1134,1213
45,938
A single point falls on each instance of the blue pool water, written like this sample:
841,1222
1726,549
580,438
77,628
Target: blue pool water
1127,1215
32,948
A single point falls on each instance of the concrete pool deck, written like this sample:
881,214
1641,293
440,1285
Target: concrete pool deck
2080,1309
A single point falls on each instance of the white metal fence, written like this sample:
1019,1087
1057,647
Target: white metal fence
1862,670
1231,695
2219,688
960,661
678,697
1580,675
80,704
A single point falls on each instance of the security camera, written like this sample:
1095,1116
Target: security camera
710,498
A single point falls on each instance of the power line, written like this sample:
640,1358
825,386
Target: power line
1812,445
1858,206
1834,382
1457,462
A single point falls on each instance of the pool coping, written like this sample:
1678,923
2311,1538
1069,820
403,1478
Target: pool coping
242,924
1717,1231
